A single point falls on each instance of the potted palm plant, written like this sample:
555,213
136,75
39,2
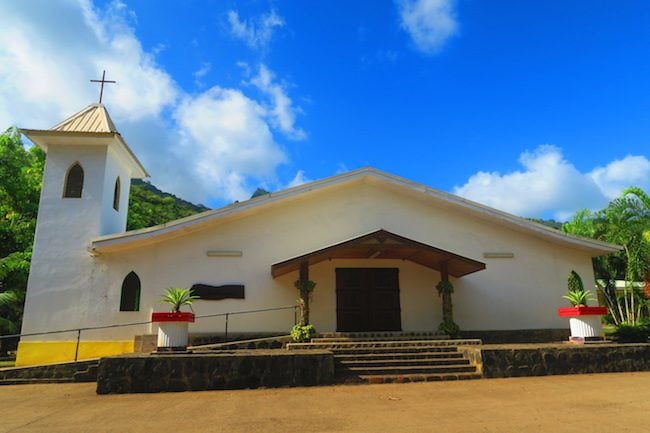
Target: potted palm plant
585,322
173,326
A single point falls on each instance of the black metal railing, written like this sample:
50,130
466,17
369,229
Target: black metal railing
121,325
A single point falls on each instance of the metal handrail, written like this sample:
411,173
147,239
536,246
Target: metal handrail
91,328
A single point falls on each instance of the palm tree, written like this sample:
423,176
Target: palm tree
627,223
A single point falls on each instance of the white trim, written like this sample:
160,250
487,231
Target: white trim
224,253
43,138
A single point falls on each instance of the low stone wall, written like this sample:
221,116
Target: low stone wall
508,336
49,371
258,343
211,371
552,359
250,340
214,338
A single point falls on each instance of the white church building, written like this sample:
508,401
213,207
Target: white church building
375,244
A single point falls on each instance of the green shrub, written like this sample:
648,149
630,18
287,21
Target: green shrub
176,297
444,287
574,282
577,295
305,285
450,328
302,333
628,333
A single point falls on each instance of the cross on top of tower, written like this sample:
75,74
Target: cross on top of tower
103,80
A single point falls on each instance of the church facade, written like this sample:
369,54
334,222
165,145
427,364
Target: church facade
375,244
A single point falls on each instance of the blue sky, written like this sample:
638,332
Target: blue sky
538,108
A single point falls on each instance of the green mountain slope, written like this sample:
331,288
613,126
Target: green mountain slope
149,206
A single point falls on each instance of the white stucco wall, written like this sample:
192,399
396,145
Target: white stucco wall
61,265
114,221
62,289
519,293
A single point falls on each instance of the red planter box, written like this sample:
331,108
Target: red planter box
581,311
172,317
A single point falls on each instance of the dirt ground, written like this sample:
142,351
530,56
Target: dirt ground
618,402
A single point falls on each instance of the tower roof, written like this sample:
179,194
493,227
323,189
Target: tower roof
93,118
89,127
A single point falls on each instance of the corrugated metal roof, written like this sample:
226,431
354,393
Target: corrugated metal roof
93,118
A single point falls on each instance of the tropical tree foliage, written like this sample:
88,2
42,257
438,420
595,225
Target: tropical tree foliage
20,185
626,222
149,206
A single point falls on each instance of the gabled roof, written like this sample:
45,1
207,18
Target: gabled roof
383,244
93,118
90,126
173,229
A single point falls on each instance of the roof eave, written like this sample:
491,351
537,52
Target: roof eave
41,137
134,238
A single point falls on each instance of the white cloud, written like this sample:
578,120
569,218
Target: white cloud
45,67
429,23
619,174
256,33
299,179
549,184
201,72
206,148
230,141
282,112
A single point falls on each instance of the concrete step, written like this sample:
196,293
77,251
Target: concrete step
384,335
400,362
421,354
400,337
373,345
392,350
401,370
406,378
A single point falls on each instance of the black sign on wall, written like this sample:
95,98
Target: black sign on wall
216,293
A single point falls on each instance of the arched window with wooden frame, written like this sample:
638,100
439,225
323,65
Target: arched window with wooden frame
130,296
116,195
74,181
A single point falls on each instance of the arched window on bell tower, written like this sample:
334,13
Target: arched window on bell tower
130,297
116,195
74,182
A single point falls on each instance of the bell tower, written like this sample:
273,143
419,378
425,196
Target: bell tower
85,194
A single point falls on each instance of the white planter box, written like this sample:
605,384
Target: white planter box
585,322
585,326
172,334
172,330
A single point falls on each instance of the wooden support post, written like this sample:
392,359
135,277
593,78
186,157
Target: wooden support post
304,294
444,271
304,271
447,307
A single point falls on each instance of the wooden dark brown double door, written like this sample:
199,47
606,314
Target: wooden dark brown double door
367,299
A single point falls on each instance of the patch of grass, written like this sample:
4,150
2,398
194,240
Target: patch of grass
8,363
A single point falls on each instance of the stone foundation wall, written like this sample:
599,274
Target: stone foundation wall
261,343
543,360
147,343
51,371
519,336
211,371
203,339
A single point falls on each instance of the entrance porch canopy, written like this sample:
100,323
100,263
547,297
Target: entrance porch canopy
383,244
